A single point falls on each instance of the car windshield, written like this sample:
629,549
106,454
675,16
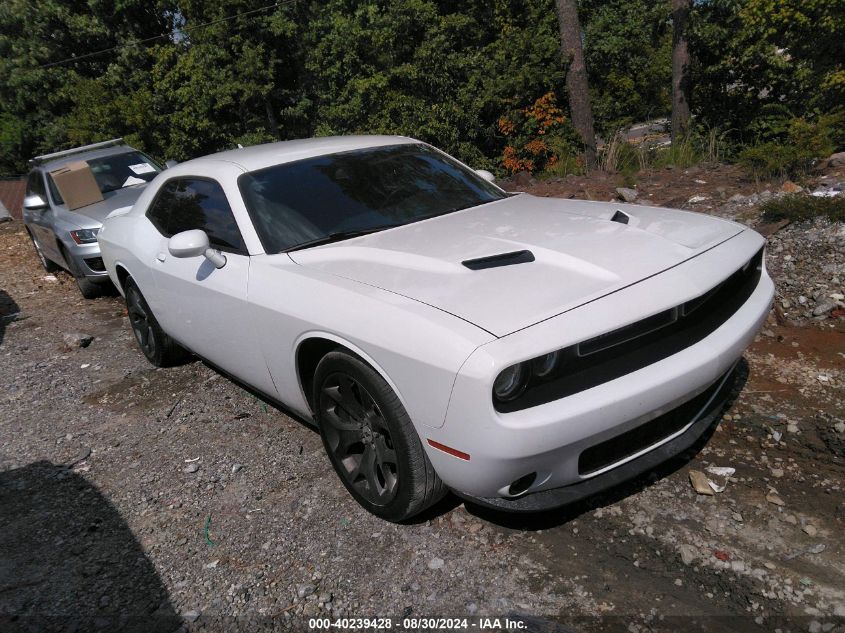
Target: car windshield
117,171
336,196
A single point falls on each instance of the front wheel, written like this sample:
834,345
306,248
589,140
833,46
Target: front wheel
157,346
48,265
370,440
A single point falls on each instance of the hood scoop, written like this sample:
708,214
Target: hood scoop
502,259
620,217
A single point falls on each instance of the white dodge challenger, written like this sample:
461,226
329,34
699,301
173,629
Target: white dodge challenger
441,333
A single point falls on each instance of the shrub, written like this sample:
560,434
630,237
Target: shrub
537,137
799,207
791,153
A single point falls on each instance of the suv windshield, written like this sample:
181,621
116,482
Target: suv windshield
336,196
116,171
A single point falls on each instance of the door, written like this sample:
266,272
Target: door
41,222
201,306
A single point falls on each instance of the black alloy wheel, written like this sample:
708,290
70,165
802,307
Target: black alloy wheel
158,347
359,438
370,440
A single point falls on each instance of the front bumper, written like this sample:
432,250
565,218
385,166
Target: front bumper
699,413
551,440
87,260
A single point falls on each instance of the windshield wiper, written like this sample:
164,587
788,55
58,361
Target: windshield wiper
338,236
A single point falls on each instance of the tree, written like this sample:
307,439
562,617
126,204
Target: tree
680,70
576,77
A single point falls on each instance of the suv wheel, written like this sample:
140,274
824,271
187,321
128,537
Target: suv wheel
370,440
48,265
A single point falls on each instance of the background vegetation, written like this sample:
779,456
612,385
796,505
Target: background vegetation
484,80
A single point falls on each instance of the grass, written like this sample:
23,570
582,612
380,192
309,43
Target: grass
797,207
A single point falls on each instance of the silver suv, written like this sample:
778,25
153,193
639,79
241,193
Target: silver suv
65,238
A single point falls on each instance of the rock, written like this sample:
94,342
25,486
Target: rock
791,428
810,529
839,427
190,616
791,187
775,499
790,518
304,591
835,160
737,198
324,597
688,554
436,563
191,468
697,199
777,472
626,194
237,468
700,483
823,307
77,339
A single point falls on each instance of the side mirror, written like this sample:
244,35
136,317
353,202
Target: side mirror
170,163
34,203
486,175
193,244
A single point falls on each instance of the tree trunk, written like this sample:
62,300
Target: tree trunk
576,77
680,70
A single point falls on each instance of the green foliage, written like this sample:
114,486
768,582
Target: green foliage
628,48
799,207
793,146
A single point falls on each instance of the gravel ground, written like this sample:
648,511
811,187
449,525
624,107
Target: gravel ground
133,498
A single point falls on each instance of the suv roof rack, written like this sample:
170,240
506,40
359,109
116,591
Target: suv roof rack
67,152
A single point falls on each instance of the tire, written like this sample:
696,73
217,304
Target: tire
370,440
48,265
157,347
89,289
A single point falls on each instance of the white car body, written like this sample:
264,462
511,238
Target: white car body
440,333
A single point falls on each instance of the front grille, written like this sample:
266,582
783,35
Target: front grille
632,347
95,264
631,442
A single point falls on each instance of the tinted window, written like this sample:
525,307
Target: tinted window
185,204
35,185
309,200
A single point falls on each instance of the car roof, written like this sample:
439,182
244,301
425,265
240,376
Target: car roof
269,154
94,153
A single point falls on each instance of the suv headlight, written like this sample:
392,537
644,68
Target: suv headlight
84,236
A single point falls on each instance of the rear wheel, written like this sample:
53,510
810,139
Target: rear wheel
370,440
157,346
48,265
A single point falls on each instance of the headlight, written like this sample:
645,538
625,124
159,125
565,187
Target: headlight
84,236
511,382
545,365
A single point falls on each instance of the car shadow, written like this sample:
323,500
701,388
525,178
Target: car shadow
9,311
554,518
69,562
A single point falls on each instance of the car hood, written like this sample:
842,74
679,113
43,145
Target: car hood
579,254
112,200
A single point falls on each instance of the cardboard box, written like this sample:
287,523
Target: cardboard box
77,184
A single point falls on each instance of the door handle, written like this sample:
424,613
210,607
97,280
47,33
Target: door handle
160,257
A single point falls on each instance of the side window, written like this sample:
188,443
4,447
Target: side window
185,204
35,185
159,211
